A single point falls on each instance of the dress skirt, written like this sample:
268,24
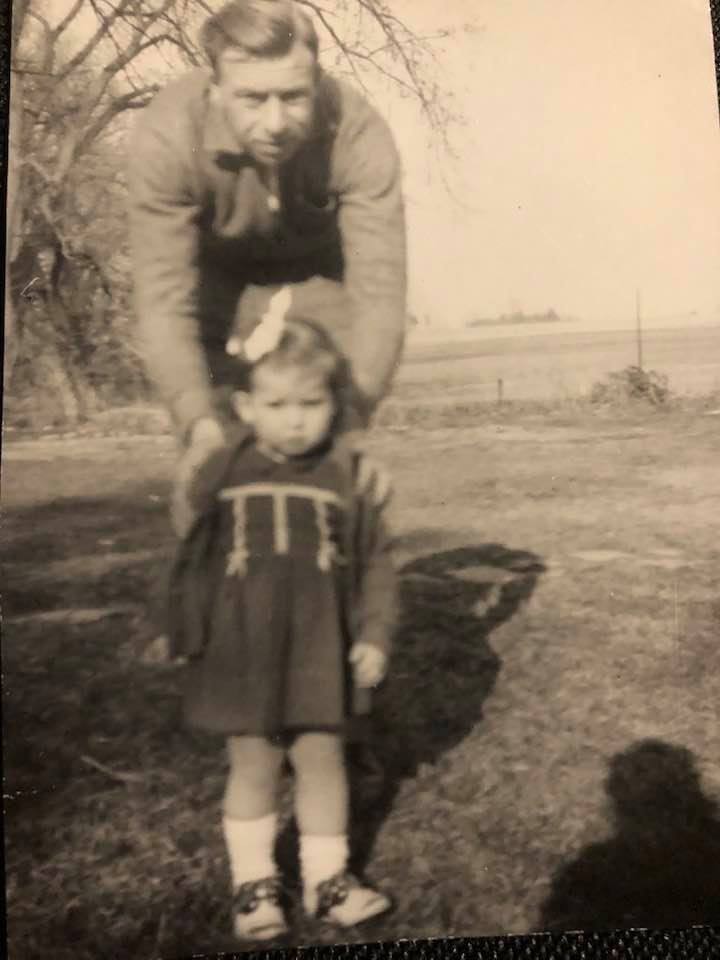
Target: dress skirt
278,640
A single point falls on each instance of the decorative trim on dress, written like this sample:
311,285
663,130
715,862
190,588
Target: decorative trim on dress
279,494
280,524
237,559
326,550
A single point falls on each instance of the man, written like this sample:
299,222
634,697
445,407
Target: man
263,172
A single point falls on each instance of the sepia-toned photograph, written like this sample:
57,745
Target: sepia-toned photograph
360,473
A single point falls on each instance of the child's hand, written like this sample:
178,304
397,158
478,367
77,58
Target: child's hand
369,664
158,652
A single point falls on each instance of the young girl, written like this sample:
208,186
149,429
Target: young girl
283,601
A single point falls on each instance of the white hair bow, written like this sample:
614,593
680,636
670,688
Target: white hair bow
266,335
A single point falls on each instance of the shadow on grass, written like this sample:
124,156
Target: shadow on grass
662,866
62,526
116,809
70,551
111,809
442,671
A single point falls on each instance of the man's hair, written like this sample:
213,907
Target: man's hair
303,345
258,28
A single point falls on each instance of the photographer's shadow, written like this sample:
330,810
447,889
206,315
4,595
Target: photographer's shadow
662,866
442,670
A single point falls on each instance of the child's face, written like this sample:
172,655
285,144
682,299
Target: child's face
290,410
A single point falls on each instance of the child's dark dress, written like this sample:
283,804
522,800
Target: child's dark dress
272,580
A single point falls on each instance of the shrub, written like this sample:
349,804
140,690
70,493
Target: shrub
632,383
63,378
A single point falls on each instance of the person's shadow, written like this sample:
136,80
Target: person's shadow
662,867
442,670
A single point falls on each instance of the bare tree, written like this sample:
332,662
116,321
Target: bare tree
71,89
369,39
64,102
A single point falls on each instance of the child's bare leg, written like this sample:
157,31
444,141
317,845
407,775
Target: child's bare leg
251,790
321,809
321,788
250,825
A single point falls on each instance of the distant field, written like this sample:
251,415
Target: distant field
552,365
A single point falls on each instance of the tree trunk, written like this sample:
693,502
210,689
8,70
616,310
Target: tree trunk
76,398
62,387
13,222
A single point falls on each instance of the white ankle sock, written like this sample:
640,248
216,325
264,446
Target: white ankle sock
250,847
321,858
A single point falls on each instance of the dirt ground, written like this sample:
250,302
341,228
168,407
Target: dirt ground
549,732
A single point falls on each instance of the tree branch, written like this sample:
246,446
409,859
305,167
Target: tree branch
427,93
124,57
84,52
337,39
135,100
139,24
179,38
20,10
48,53
68,18
30,161
134,50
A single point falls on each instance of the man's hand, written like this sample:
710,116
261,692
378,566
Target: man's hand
369,664
206,432
373,478
206,437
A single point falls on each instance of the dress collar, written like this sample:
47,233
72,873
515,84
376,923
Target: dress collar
298,464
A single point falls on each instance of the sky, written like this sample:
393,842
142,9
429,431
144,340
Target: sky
585,168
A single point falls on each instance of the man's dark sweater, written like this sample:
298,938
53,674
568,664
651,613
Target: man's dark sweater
206,234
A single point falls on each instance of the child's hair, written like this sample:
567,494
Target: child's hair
303,345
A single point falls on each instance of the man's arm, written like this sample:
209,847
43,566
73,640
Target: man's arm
164,244
372,226
378,589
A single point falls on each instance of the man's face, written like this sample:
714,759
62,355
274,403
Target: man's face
269,101
291,410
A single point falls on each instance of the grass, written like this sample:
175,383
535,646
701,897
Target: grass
550,366
561,618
